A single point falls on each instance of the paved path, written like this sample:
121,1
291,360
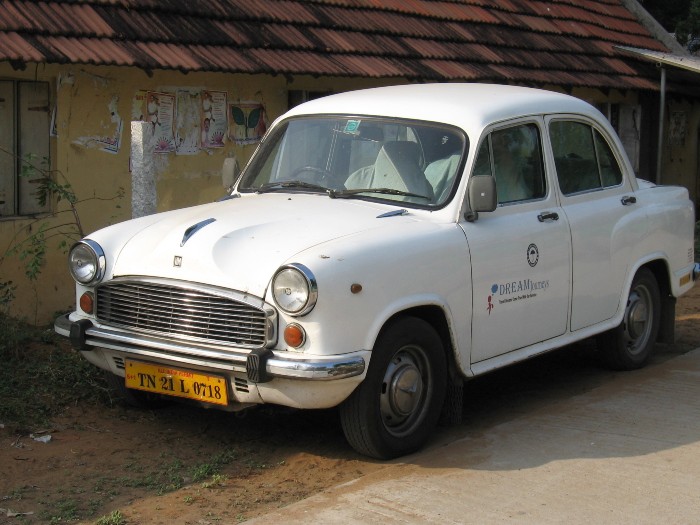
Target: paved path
625,451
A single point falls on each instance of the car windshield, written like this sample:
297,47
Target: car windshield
414,163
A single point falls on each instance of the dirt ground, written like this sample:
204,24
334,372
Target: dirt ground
186,465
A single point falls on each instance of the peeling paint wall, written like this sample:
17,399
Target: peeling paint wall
94,109
92,149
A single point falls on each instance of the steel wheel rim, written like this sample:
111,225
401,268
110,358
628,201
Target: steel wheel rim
638,319
406,390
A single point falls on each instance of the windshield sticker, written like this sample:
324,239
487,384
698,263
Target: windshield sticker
352,127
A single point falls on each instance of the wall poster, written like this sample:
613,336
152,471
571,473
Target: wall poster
214,122
248,122
160,109
187,122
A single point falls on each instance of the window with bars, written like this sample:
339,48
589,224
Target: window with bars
24,135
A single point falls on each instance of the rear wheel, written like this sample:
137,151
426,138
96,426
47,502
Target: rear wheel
393,411
630,345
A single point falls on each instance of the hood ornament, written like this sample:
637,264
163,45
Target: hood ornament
189,232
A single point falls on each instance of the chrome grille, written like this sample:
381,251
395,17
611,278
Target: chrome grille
173,311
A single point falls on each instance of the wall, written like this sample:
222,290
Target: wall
91,103
679,158
89,151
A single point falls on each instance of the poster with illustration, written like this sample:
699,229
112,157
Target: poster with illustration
213,119
160,112
187,122
248,122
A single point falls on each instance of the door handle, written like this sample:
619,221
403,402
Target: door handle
628,199
548,216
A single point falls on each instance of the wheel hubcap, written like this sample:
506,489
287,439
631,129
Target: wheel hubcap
638,319
404,391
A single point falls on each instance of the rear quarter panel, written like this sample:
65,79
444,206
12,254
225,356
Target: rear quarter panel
670,233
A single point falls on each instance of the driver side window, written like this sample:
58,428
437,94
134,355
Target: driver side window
514,157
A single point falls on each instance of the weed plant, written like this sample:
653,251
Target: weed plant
40,375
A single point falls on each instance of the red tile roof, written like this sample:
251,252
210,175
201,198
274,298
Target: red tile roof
563,42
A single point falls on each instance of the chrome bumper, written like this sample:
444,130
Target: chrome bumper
260,365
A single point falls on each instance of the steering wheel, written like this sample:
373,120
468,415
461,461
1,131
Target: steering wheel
325,174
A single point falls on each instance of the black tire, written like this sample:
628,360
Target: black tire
453,406
131,397
393,411
631,344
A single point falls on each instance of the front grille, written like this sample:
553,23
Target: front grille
180,312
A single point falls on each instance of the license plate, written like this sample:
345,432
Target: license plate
170,381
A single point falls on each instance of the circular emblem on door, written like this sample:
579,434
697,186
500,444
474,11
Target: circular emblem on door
533,255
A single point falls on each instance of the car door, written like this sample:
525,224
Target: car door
602,210
520,253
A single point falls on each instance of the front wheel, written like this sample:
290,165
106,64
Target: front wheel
393,411
630,345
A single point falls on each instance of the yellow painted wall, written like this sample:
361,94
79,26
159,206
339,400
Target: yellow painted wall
86,98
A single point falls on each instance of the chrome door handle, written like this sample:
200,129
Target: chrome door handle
628,199
548,216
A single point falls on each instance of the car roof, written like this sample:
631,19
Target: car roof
469,106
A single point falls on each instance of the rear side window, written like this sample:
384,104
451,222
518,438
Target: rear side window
584,159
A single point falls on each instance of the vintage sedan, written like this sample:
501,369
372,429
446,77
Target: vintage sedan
382,247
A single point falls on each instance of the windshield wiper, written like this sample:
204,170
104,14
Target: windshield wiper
341,194
291,184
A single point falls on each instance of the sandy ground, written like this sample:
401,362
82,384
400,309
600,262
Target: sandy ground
186,465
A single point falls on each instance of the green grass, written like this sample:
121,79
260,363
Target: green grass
63,511
40,375
114,518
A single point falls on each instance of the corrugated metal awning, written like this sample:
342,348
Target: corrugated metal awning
687,62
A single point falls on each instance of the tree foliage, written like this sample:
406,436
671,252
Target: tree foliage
688,29
681,17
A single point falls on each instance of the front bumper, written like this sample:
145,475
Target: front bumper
260,366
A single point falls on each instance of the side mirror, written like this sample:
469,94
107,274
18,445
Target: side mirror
229,172
481,190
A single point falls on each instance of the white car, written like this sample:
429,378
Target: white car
381,247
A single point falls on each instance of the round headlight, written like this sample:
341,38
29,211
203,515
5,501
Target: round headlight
86,262
294,289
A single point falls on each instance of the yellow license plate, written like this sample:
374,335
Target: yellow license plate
170,381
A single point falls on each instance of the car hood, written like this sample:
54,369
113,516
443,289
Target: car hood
240,243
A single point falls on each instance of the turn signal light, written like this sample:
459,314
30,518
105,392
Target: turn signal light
87,302
294,335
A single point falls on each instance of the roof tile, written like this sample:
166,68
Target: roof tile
567,42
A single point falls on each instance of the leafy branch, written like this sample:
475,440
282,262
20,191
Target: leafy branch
30,242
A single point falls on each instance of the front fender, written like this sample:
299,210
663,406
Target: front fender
428,267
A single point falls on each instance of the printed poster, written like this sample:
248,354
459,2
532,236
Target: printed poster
160,109
213,119
187,122
248,122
